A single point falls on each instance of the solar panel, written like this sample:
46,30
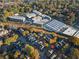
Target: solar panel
55,25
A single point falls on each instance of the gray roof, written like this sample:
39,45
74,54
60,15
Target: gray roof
18,18
54,25
58,26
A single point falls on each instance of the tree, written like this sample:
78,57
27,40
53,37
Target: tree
74,54
11,39
34,54
75,40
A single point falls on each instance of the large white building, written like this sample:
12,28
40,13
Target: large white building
38,18
17,18
62,28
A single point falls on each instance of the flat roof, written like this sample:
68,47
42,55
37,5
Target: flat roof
39,20
55,25
17,17
37,12
77,34
30,15
70,31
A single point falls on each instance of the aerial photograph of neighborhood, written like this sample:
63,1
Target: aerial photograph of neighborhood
39,29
